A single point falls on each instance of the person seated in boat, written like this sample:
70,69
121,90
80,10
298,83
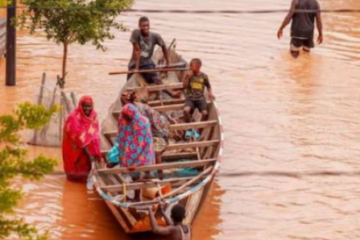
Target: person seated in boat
134,144
160,124
81,141
175,230
194,84
144,42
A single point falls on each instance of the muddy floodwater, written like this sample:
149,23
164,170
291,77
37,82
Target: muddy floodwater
291,167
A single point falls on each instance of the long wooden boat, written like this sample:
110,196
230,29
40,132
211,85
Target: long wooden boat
188,173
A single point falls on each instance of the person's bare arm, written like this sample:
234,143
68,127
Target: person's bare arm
167,218
288,18
186,80
319,26
136,52
208,86
87,152
166,54
165,231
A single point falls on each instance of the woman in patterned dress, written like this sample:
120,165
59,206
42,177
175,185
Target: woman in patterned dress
160,125
134,144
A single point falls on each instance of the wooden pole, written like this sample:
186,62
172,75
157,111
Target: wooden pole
43,80
74,100
66,102
11,45
61,115
149,71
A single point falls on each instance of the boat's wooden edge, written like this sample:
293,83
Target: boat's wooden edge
189,183
126,226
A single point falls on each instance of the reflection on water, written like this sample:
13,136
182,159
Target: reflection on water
292,131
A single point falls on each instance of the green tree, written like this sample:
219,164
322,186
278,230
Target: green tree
73,21
13,163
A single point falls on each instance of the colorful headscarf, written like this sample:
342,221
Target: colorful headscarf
80,131
83,129
135,138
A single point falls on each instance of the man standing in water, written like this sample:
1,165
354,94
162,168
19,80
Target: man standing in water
144,42
303,25
175,230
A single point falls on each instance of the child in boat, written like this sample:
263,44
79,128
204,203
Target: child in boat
175,230
194,84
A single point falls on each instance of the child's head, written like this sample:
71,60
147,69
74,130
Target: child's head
178,213
195,65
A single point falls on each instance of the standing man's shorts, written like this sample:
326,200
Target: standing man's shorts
296,44
150,78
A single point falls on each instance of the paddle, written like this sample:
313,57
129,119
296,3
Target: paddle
161,68
149,71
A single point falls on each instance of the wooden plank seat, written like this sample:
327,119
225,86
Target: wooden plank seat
194,125
162,166
173,127
198,144
166,102
162,109
141,185
156,88
169,156
180,146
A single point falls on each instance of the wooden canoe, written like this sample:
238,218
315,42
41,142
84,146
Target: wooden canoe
203,159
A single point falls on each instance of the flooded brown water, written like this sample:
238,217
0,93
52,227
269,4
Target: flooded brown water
291,166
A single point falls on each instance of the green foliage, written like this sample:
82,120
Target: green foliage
13,162
70,21
3,3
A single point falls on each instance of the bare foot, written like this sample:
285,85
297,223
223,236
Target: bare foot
176,94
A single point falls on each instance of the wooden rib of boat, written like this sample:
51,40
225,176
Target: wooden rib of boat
200,158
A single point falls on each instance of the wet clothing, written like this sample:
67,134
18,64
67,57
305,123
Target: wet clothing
303,24
195,98
196,87
80,131
185,235
296,44
150,78
134,144
201,105
147,46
